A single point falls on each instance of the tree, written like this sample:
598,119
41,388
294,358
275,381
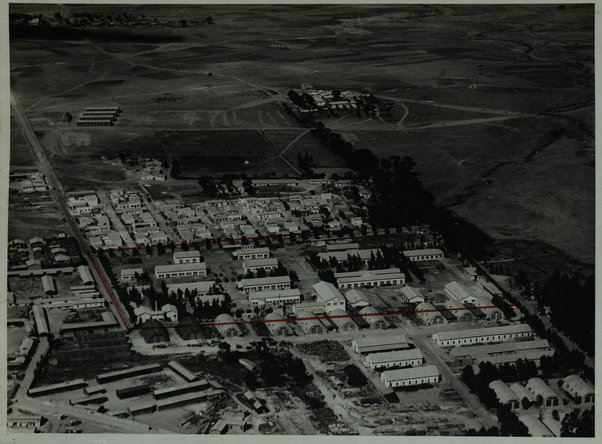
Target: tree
175,169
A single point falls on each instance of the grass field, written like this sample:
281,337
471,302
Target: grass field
483,87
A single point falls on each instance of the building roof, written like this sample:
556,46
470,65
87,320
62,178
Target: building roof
131,271
251,250
375,343
427,311
307,320
539,388
199,266
275,322
225,322
264,281
574,384
369,275
394,356
337,246
262,262
422,252
411,293
355,297
85,274
535,426
401,374
503,347
502,391
487,331
341,318
267,294
457,291
520,391
327,292
529,355
186,254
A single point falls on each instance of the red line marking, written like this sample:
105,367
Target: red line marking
261,321
108,291
355,315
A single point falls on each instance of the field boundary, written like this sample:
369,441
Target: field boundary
258,321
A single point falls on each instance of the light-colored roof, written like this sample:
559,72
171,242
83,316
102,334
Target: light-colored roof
225,322
422,252
262,262
307,320
265,281
327,292
520,391
487,331
411,293
334,246
199,266
426,310
538,387
131,271
355,296
186,254
535,426
457,290
341,318
502,391
382,342
401,374
251,250
395,356
267,294
574,384
504,347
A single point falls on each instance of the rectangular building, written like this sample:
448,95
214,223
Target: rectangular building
253,265
329,295
266,283
275,297
129,274
400,358
187,257
180,270
425,254
370,278
127,373
482,335
376,344
252,253
412,376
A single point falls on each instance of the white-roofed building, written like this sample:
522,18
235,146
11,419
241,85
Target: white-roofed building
252,265
276,325
411,295
520,391
458,292
400,358
275,297
425,254
375,319
540,391
264,284
342,320
356,298
370,278
535,426
252,253
578,389
329,295
482,335
129,274
187,257
181,270
48,285
460,312
428,314
85,274
412,376
226,326
309,323
375,344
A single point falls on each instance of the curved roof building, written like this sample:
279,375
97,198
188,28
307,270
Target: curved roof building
226,326
342,320
374,318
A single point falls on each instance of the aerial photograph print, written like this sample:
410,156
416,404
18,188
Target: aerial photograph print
300,219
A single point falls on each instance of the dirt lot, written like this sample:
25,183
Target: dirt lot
481,92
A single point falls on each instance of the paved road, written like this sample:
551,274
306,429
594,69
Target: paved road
58,192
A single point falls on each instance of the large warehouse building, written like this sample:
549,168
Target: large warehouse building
406,377
482,335
400,358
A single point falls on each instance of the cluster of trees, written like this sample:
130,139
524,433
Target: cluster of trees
479,384
579,423
280,270
305,162
355,377
302,101
501,303
175,171
571,302
224,186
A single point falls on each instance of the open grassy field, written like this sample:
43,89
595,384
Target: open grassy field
477,91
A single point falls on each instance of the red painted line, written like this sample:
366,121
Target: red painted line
355,315
108,291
